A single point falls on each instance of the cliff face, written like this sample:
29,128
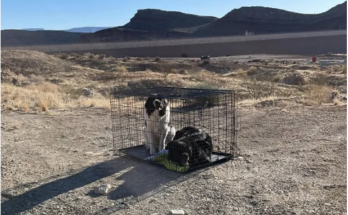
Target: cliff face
121,34
150,24
269,20
158,20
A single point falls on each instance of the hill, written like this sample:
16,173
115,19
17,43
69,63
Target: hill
263,20
156,24
159,20
27,38
33,29
86,29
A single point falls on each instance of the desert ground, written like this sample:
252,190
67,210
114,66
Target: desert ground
57,141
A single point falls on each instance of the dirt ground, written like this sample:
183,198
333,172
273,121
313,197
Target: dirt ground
57,141
292,161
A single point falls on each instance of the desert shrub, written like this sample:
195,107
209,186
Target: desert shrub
75,55
173,71
64,56
265,74
294,79
318,94
102,56
259,89
276,79
36,79
72,92
207,101
344,69
182,71
157,59
252,70
121,69
139,59
335,93
43,106
320,79
126,58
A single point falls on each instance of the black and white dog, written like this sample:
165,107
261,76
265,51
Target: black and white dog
190,146
157,130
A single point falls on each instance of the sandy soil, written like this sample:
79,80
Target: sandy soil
291,161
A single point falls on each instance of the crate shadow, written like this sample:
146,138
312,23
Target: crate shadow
54,187
140,182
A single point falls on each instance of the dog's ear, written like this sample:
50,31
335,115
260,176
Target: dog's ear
149,105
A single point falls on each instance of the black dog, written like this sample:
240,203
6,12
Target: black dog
190,146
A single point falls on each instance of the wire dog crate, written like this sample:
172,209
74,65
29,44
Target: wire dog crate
199,131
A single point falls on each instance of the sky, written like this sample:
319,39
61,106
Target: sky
66,14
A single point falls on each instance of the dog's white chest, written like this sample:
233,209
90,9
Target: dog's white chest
153,122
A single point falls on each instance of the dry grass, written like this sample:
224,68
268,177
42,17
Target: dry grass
338,69
259,89
45,87
32,97
28,79
317,94
336,101
237,73
94,102
43,97
32,62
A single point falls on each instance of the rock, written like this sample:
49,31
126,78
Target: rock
102,189
177,212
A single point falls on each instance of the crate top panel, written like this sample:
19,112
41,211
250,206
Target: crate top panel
169,92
